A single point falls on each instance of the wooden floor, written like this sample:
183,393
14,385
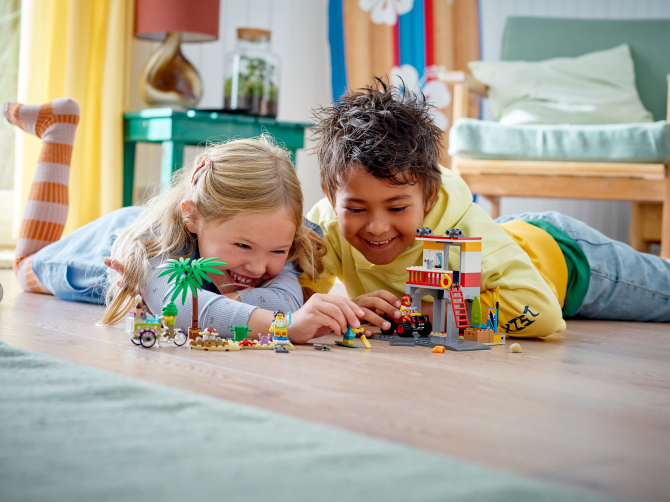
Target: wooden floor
589,408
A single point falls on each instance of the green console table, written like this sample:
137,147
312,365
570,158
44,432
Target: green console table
175,129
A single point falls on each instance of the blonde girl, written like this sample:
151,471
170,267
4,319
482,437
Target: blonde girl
241,201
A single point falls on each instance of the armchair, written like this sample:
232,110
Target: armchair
645,183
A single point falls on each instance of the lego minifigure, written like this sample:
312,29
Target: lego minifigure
348,337
168,315
405,308
279,331
140,308
278,327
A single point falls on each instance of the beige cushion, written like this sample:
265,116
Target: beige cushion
596,88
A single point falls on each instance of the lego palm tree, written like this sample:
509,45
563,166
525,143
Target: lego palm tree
188,275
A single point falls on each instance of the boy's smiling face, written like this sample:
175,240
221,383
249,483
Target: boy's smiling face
379,219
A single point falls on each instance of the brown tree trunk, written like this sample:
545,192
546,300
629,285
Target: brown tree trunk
194,316
194,331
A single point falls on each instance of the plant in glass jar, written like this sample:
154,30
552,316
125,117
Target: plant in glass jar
252,72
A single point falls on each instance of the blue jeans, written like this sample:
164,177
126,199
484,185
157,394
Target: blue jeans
625,285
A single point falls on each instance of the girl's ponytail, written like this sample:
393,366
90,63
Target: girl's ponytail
307,254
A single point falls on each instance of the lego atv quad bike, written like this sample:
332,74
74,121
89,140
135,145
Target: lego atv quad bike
407,325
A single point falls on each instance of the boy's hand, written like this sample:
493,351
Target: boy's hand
375,305
322,314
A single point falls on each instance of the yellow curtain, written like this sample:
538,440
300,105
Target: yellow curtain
80,49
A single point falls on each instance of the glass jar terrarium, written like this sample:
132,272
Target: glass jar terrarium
251,75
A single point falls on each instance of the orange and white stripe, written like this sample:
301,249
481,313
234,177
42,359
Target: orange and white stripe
48,200
27,278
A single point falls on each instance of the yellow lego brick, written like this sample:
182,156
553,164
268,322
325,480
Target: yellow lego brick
433,245
365,342
471,246
495,340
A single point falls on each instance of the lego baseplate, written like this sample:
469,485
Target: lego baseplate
257,346
458,345
465,345
386,338
230,346
289,345
398,341
402,342
429,342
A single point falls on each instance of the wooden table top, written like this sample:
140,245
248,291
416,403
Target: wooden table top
589,408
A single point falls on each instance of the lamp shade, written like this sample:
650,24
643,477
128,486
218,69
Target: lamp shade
196,20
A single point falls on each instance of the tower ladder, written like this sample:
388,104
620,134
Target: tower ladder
458,306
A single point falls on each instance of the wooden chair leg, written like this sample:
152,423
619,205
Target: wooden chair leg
635,233
665,225
495,206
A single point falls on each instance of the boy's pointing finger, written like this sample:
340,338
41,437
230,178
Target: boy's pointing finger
378,321
372,302
388,297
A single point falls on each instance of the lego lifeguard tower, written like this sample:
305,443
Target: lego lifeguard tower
450,289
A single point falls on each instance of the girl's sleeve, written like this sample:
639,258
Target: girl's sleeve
284,292
214,310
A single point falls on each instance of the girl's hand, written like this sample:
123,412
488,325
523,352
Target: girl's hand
322,314
116,266
375,305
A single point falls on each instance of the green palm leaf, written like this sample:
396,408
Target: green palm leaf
194,289
200,276
210,262
212,270
187,275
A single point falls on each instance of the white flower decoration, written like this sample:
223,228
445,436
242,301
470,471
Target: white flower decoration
436,91
386,11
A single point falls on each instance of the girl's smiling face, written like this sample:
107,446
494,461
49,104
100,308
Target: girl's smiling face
254,247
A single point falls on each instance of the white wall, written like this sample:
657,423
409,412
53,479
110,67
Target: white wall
610,217
299,37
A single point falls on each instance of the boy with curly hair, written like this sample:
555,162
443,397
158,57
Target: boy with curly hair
378,152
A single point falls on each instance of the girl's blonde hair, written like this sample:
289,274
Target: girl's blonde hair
244,176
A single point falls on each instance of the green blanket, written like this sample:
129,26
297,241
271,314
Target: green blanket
71,433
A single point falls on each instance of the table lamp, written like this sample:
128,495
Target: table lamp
168,78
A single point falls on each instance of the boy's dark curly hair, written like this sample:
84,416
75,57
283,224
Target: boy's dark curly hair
383,129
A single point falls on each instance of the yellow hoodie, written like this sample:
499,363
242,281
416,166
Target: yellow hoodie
528,306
